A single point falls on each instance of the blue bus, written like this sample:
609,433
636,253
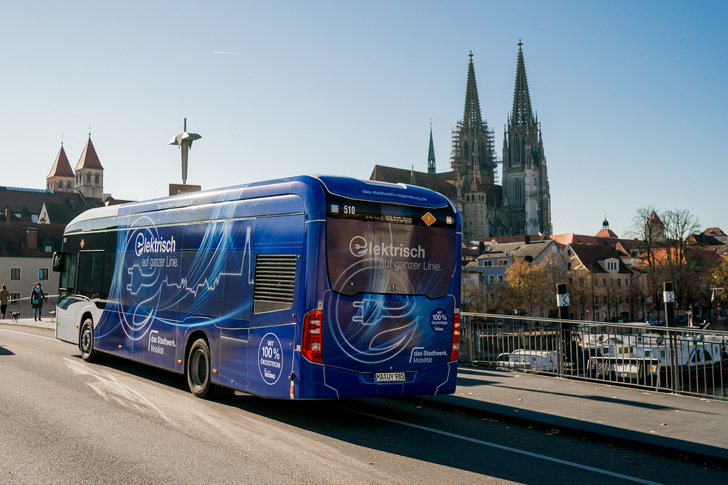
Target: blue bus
299,288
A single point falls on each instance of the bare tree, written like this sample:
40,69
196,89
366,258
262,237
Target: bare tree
680,224
581,294
648,228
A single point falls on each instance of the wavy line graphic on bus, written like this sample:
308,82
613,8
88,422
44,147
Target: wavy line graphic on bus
210,285
371,311
164,287
378,327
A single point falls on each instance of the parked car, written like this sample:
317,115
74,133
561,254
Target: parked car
536,360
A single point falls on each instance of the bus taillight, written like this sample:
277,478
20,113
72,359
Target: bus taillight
455,352
311,339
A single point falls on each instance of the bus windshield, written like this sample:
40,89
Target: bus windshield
389,249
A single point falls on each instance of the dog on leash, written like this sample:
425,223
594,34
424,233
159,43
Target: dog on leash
14,316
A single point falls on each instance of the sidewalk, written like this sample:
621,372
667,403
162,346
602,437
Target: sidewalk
670,423
46,322
667,422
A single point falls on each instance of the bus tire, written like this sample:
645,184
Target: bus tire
86,341
198,369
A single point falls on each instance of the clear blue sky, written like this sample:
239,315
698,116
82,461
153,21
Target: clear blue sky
631,95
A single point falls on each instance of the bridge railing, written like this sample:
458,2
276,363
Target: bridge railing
23,308
685,360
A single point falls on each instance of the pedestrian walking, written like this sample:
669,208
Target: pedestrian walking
36,300
4,297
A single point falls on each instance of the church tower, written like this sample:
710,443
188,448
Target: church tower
60,178
472,153
89,173
526,194
472,158
431,166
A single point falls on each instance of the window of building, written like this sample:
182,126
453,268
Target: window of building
626,282
491,279
42,273
48,248
34,218
97,179
500,278
619,281
568,252
612,266
15,273
568,265
604,282
14,296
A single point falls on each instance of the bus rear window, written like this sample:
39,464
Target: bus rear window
384,249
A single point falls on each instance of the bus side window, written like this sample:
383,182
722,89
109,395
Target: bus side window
90,265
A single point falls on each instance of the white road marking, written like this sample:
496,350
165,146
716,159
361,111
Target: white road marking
110,388
512,450
29,334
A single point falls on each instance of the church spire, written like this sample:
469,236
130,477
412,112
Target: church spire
472,120
522,113
431,168
60,178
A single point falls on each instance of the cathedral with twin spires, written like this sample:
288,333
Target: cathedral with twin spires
522,204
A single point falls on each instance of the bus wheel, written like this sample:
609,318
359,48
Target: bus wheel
86,342
198,369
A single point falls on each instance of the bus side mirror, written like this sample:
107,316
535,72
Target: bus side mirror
60,261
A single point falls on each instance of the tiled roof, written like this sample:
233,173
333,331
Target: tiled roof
14,239
512,239
61,167
89,159
443,183
515,249
606,233
27,202
61,213
591,254
714,231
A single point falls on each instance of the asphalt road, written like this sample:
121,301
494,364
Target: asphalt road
65,421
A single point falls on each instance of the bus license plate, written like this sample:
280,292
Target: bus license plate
389,377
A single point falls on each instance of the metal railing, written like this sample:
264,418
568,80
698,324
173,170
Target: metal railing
22,308
690,361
